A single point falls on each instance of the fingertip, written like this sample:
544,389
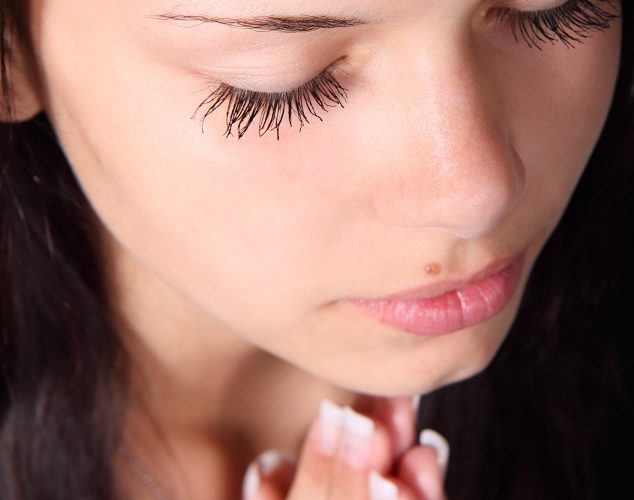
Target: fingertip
397,415
436,441
329,427
270,473
416,404
251,482
381,488
420,470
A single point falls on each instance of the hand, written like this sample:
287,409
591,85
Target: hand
363,454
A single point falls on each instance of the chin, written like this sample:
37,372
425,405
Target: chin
388,383
443,361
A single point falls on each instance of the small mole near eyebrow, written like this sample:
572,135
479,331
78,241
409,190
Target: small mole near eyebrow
291,24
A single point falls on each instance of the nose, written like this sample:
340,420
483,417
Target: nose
453,164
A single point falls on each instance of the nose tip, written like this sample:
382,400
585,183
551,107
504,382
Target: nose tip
482,194
467,193
481,214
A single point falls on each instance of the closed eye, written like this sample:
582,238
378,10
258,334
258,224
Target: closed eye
569,23
274,108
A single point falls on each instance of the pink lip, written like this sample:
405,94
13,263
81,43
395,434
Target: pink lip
457,306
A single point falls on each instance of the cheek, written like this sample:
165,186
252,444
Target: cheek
232,227
232,235
558,103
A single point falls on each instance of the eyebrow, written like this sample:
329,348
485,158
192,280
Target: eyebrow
290,24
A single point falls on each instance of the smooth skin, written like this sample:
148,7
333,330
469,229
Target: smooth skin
228,259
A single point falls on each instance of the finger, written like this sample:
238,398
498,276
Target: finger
434,440
340,450
389,488
423,468
319,454
366,445
398,416
269,476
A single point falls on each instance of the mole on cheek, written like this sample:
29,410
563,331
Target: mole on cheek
433,269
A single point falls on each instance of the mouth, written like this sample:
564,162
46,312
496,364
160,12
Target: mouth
448,306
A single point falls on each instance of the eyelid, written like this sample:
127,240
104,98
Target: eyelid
264,83
529,5
569,23
259,84
323,91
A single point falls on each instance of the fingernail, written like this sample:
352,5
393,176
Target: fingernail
381,488
329,427
416,403
270,460
357,439
433,439
251,481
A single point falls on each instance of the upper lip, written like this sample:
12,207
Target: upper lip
440,288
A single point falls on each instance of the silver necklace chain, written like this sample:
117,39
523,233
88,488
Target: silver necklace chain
142,472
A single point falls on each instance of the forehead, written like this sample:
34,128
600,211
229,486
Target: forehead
255,7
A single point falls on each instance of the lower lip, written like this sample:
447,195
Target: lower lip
455,310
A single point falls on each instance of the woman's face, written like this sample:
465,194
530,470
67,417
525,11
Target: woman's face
456,153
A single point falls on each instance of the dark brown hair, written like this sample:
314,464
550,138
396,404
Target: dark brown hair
550,418
62,385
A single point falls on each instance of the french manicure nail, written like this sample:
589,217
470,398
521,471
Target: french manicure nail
251,482
381,488
329,429
270,460
433,439
416,403
357,441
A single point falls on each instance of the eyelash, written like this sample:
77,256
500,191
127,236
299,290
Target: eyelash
322,92
569,23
